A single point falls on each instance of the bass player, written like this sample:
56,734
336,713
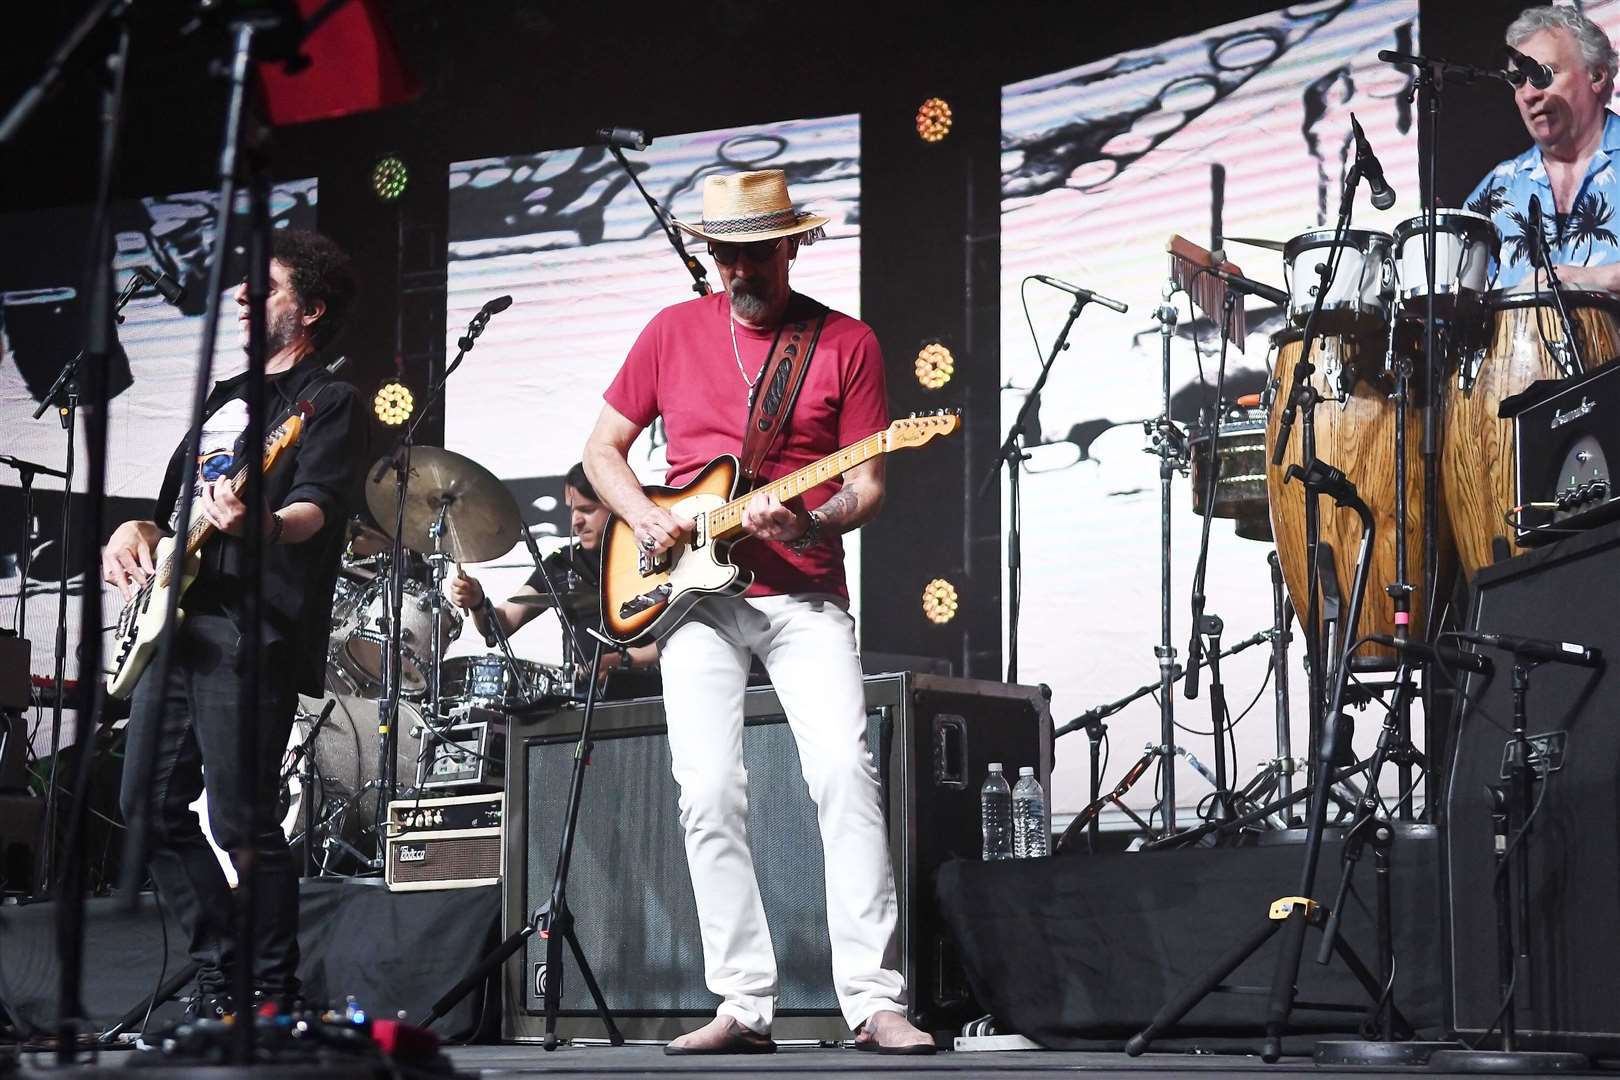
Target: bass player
195,719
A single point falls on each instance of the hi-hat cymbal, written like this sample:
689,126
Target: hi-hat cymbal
1258,241
365,541
544,602
480,516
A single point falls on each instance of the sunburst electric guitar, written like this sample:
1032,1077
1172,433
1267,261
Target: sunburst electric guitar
140,624
645,596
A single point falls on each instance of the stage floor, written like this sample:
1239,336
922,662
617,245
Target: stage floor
815,1062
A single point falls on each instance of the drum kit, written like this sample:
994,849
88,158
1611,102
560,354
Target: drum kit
455,511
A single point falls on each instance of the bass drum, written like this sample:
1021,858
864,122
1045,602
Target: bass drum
1355,433
1476,451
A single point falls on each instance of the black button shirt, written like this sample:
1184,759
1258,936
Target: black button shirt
325,467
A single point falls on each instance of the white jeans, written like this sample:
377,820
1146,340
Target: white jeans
807,643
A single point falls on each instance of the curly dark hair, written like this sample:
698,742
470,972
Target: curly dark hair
320,271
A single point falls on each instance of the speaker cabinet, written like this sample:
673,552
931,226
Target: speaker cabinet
628,884
1568,988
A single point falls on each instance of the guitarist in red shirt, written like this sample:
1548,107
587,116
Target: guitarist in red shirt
309,496
697,365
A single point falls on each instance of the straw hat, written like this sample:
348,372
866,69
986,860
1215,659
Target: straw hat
742,207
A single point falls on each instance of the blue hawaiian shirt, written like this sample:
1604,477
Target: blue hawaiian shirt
1585,236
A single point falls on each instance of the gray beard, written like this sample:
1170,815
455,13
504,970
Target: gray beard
278,334
749,306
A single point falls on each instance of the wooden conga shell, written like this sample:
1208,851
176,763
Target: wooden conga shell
1476,449
1357,437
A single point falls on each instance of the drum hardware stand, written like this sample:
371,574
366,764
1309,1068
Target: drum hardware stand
393,658
1512,805
570,632
1400,590
1211,625
1091,722
1013,456
1282,611
553,920
1170,445
1294,914
304,753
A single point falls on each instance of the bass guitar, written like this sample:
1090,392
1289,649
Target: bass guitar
140,624
645,596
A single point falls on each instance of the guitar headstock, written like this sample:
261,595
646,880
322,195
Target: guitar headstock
919,428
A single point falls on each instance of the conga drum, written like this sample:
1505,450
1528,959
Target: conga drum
1476,449
1355,433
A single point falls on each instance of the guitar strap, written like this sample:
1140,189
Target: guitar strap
775,391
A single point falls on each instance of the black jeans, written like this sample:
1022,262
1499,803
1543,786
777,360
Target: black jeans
196,723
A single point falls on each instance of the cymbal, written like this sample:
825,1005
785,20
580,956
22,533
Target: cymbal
543,601
1257,241
480,518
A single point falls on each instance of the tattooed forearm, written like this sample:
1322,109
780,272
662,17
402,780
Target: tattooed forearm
851,506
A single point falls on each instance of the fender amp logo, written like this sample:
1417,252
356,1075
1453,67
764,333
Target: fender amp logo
1561,418
412,853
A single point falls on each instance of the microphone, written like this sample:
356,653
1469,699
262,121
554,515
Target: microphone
1242,284
171,290
1383,196
1082,294
1538,235
488,608
1444,655
625,138
1533,71
1560,652
496,306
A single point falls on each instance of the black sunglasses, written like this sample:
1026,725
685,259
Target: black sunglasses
756,252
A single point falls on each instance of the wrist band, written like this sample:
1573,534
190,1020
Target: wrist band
276,524
811,535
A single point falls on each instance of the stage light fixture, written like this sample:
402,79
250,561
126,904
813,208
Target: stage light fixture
935,365
933,119
393,403
389,177
939,601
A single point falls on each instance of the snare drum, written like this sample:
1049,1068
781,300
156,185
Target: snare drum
1358,294
489,681
1476,452
1240,471
359,616
1463,244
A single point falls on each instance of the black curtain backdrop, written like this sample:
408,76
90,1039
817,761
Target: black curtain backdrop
500,76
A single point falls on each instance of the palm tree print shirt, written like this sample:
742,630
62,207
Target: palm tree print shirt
1583,237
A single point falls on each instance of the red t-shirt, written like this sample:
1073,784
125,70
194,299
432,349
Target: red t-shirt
682,368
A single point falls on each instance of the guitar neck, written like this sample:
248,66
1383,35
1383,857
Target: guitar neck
726,521
198,535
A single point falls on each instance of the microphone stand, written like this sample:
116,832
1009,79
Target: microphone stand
1221,806
399,459
65,389
1572,344
570,632
700,281
1012,453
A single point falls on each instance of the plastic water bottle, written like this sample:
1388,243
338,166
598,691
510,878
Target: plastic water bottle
1030,829
995,814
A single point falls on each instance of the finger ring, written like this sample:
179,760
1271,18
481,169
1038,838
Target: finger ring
648,543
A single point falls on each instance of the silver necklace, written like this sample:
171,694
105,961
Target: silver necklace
731,321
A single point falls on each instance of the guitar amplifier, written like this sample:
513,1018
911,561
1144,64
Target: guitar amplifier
1566,445
444,843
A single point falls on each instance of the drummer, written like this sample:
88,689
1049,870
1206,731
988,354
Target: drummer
575,571
1572,165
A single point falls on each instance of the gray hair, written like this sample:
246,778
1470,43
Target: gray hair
1596,51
